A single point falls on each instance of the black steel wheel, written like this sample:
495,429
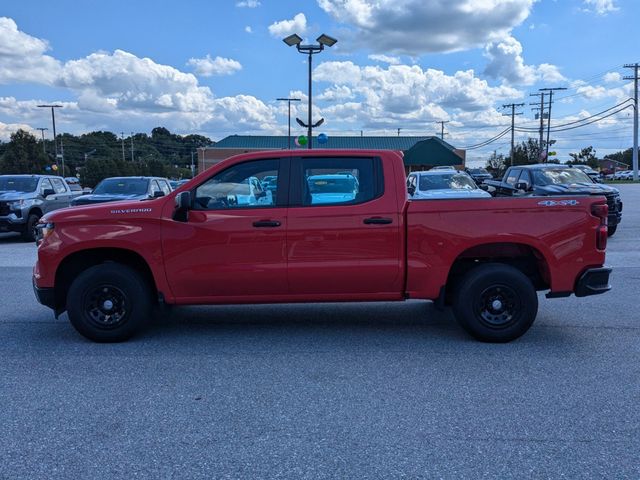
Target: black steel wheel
109,302
495,303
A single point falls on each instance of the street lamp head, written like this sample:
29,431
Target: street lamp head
293,40
326,40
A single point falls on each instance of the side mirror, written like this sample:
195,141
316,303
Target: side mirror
183,205
261,194
484,187
48,191
411,189
522,186
157,194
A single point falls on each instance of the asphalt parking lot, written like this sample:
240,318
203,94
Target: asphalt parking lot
316,391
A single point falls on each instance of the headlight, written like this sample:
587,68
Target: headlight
17,205
43,230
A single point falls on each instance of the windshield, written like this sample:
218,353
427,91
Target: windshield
18,184
445,181
122,186
559,176
332,184
478,171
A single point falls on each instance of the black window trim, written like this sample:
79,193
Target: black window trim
295,186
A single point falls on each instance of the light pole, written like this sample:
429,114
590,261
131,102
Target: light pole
310,50
289,100
203,150
55,138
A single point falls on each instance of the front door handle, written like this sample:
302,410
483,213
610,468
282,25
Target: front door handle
377,221
266,224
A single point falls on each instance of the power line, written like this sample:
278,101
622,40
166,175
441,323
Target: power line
441,122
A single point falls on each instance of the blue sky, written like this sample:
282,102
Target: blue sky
216,67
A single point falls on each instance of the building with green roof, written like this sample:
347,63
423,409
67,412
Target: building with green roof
420,153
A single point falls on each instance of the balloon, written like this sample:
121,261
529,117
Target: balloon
295,140
54,168
322,138
48,168
302,140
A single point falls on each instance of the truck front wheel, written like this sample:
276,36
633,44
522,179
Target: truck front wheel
109,302
495,303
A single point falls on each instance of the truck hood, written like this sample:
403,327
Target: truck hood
9,195
575,188
450,193
102,198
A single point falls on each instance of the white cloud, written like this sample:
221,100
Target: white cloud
506,62
600,7
208,67
6,129
385,59
405,95
248,4
415,27
248,29
297,24
612,77
22,57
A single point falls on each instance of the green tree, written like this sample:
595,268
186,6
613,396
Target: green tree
23,154
496,164
586,156
526,153
624,157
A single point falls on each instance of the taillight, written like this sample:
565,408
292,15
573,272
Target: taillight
602,212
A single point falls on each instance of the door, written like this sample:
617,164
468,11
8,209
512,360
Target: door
343,233
232,247
63,195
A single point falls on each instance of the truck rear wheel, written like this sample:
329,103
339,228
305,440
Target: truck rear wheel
495,303
109,303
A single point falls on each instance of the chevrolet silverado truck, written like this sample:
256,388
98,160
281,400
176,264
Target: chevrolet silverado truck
25,198
552,179
108,265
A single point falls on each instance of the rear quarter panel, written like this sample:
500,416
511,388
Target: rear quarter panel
440,231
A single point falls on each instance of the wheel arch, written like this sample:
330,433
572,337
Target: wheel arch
526,258
77,262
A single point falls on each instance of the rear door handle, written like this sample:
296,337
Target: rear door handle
377,221
266,224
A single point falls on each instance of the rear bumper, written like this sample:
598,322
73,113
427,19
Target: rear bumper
45,295
594,281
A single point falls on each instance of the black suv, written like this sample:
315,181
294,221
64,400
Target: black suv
554,179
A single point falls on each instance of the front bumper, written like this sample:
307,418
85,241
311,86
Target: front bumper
594,281
12,223
45,295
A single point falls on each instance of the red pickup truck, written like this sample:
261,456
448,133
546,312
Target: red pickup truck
318,226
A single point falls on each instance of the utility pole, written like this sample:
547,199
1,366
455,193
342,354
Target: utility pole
132,159
289,100
635,67
550,90
192,166
513,106
399,131
53,119
442,122
541,110
42,129
122,138
62,156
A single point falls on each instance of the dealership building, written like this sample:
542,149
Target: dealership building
420,153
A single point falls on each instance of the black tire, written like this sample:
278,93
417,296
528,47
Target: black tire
611,230
109,303
495,303
29,233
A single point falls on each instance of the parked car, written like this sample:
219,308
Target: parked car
74,184
479,175
177,183
332,188
550,179
439,184
125,188
444,167
25,198
107,266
